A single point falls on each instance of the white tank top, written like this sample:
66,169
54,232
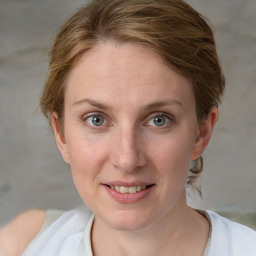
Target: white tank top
69,235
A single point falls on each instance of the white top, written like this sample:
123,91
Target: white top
70,235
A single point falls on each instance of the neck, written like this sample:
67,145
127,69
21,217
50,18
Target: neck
182,231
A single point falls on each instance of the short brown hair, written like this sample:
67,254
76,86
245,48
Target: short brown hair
172,28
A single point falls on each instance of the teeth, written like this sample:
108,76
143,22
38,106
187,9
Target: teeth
124,189
132,190
128,190
138,188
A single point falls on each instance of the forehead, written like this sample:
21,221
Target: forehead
127,73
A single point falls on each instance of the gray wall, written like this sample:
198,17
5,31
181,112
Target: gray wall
32,171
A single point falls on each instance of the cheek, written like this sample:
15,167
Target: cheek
86,156
173,159
172,162
86,160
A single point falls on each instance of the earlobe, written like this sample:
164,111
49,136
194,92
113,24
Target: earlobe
205,132
60,139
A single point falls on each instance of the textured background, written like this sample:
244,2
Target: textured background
32,173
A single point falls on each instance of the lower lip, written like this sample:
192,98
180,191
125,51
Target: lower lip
128,198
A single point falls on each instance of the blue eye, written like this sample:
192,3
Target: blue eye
159,120
96,120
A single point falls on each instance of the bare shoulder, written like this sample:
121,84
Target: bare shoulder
16,236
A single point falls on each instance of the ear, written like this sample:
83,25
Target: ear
204,133
60,139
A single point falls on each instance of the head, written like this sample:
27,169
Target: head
175,32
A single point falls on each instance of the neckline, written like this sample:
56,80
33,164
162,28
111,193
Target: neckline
207,216
85,247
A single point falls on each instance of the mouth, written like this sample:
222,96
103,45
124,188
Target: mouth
128,189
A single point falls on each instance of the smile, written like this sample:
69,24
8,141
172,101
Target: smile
128,190
128,193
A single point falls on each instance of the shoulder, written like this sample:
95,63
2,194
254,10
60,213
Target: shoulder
16,235
63,235
237,238
236,229
243,238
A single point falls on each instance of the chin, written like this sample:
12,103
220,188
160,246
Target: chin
129,221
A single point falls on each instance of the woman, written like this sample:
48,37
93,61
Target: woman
132,94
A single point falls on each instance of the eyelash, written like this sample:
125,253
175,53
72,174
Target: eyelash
85,118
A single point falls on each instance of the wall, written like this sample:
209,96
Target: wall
33,174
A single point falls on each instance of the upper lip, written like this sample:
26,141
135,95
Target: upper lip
128,184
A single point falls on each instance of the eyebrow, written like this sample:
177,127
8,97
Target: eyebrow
153,105
93,103
163,103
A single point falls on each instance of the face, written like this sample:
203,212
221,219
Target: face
130,132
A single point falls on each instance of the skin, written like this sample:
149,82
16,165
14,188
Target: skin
128,86
15,236
128,80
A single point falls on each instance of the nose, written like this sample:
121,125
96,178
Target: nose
127,152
